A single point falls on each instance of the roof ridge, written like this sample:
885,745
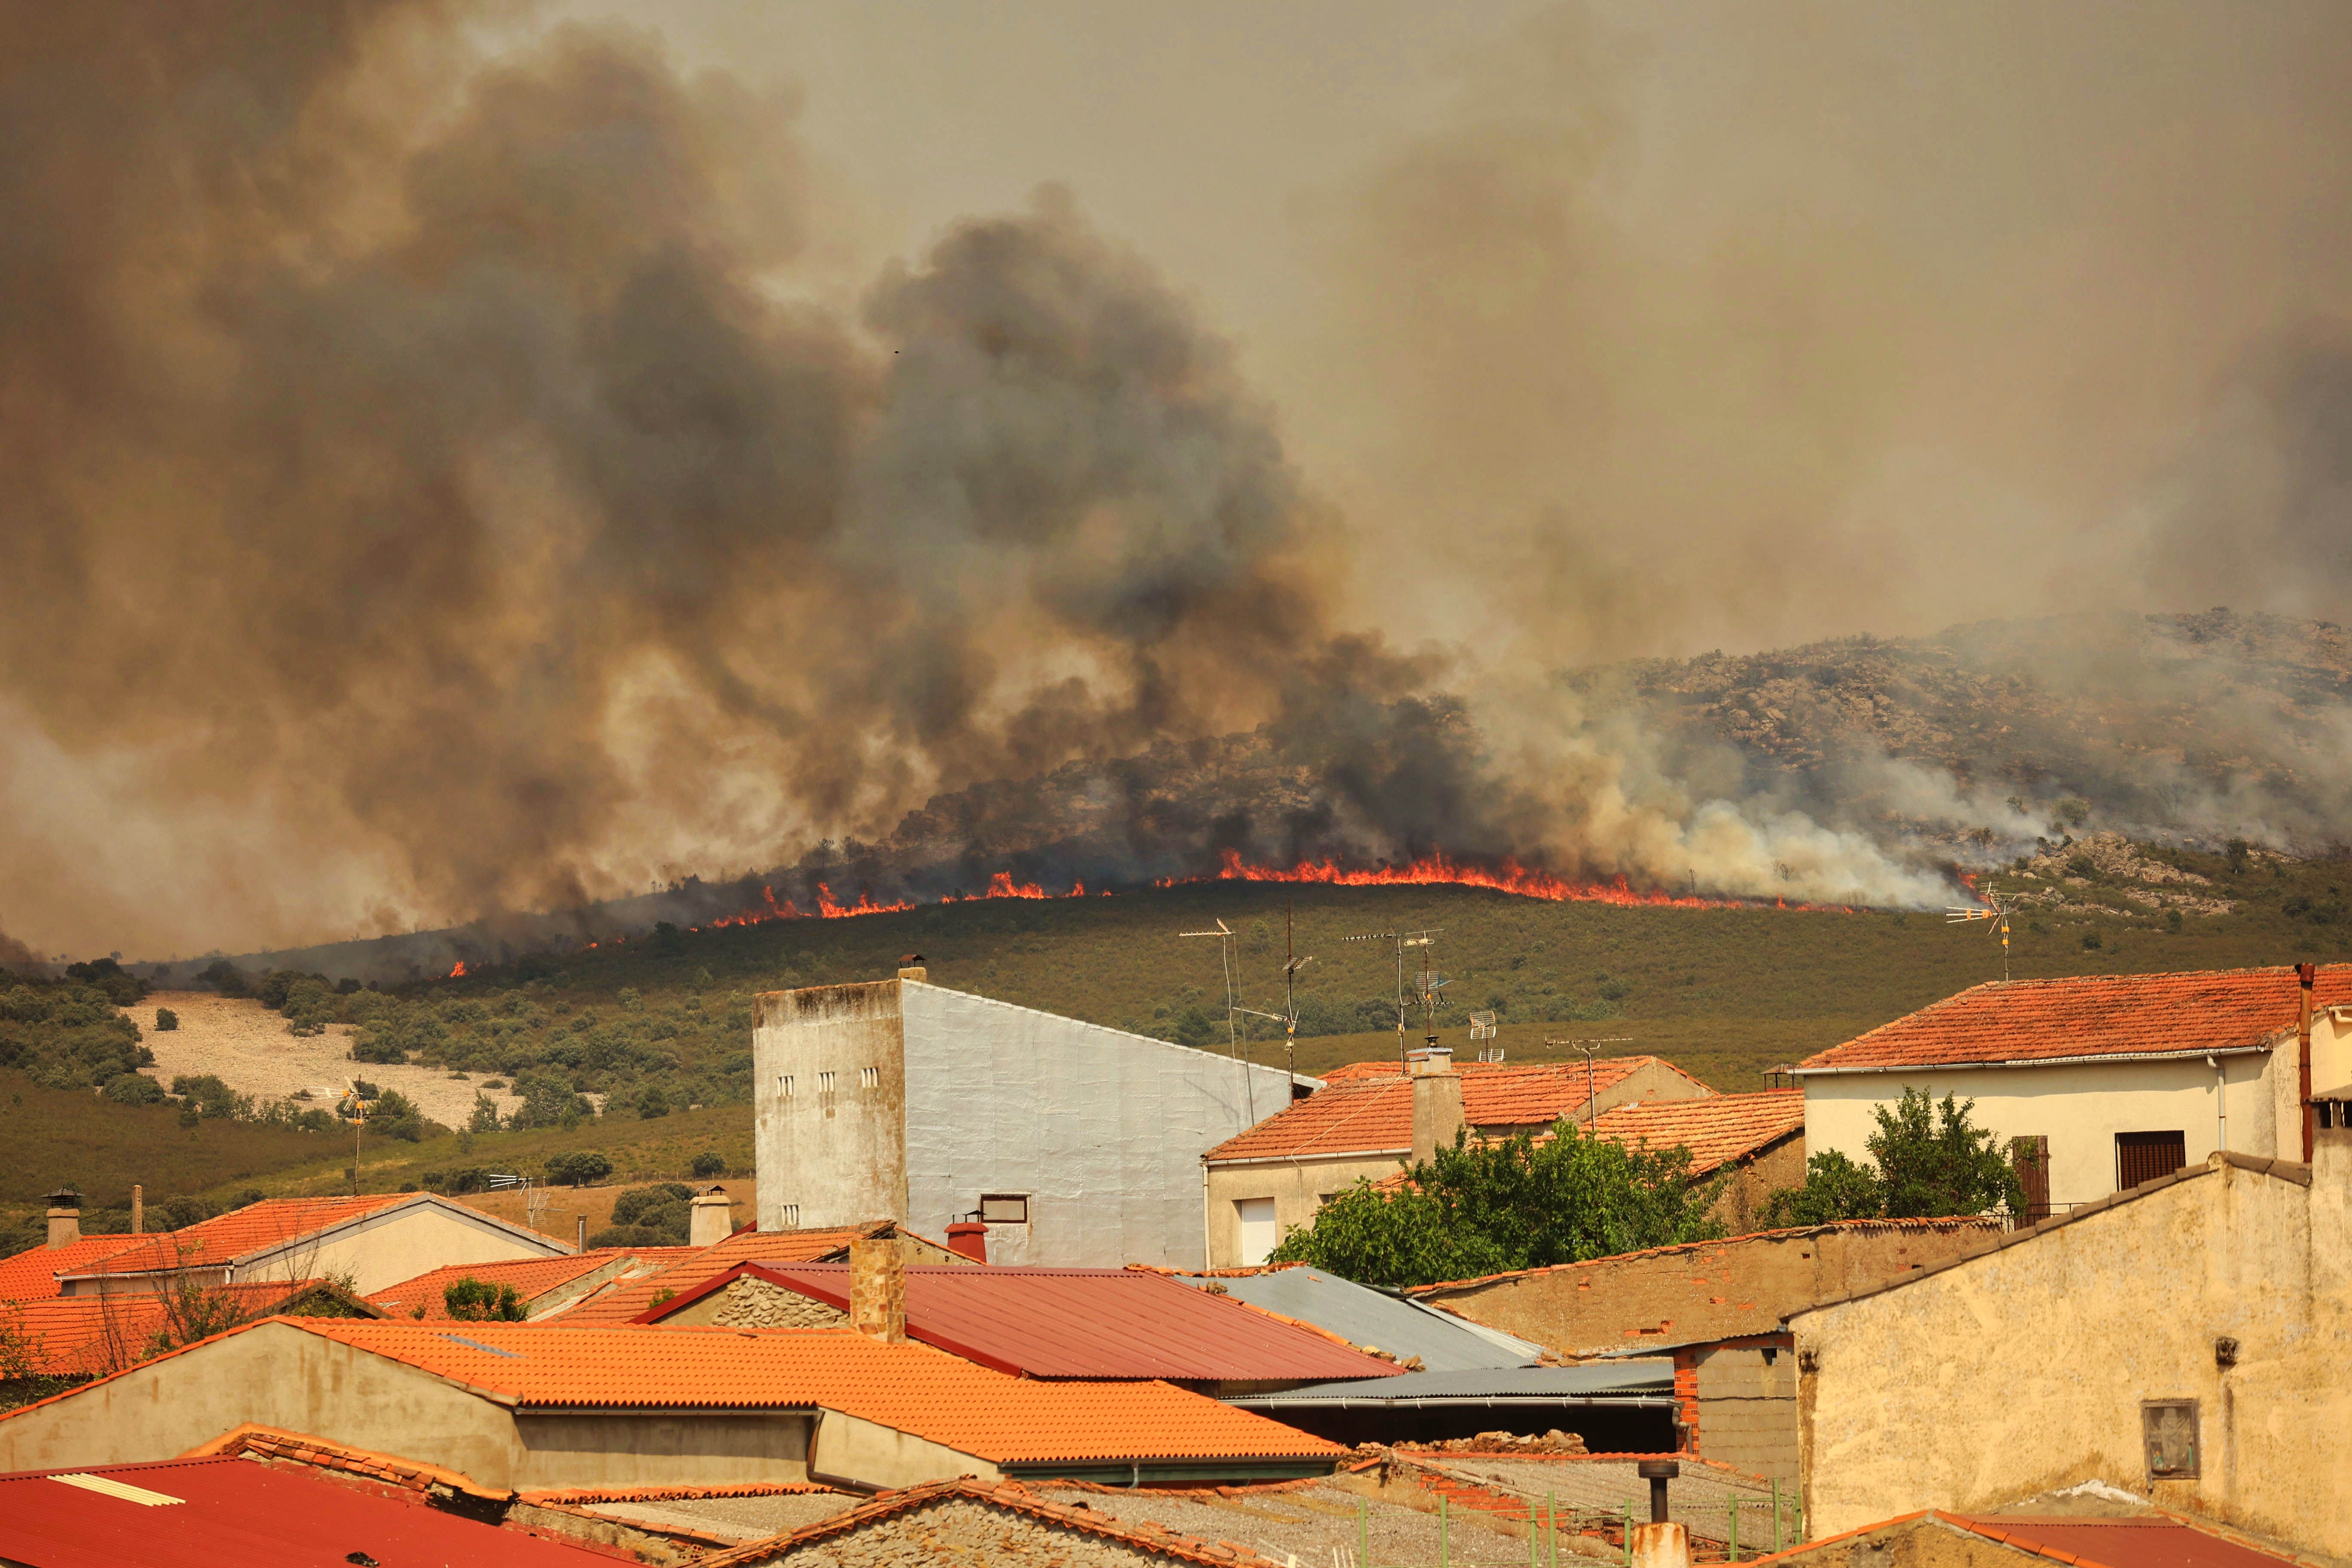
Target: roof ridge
1789,1231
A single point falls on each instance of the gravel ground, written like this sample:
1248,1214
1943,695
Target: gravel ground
247,1046
1315,1526
740,1518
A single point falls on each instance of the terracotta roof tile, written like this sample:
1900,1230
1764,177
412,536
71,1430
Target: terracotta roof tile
1009,1496
2098,1016
1373,1114
682,1269
32,1275
299,1447
530,1276
910,1387
253,1228
1717,1130
75,1336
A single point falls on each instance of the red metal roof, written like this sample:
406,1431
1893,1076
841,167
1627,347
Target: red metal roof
2095,1016
32,1275
232,1513
1373,1114
1086,1323
2141,1542
255,1227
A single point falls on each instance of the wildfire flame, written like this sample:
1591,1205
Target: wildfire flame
459,970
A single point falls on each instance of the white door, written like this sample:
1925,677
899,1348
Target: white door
1256,1215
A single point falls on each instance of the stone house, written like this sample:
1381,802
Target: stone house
1265,1182
2111,1080
1717,1308
2185,1342
1074,1144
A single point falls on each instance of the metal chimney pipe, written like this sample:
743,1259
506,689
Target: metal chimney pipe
2305,973
1658,1472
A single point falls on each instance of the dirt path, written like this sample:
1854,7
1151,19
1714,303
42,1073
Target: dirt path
246,1046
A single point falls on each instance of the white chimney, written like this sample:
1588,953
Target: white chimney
710,1218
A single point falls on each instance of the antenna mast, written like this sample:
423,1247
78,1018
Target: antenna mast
1290,968
1236,1031
1995,909
1592,1096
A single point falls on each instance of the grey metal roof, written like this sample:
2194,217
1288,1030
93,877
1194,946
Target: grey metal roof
1616,1382
1363,1316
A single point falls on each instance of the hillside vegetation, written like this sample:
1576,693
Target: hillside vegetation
657,1024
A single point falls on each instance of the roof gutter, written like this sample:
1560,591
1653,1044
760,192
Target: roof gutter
2194,1053
1317,1155
1461,1402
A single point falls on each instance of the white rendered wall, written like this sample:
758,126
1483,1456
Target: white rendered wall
1102,1129
828,1155
2079,1108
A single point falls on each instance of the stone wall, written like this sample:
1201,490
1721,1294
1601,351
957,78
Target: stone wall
958,1529
757,1304
1704,1291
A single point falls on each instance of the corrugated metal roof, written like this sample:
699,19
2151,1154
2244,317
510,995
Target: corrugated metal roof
1627,1379
1374,1319
1089,1323
2143,1543
229,1513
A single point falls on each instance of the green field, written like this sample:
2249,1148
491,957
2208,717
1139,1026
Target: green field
1725,993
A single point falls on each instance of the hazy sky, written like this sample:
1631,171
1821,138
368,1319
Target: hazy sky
456,453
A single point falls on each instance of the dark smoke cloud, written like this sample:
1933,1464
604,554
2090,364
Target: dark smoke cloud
456,471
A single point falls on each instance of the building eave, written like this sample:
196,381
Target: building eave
2190,1054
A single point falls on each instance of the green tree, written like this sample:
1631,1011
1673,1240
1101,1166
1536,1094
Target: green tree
472,1300
166,1020
653,1102
486,1114
1487,1207
1929,1161
579,1167
708,1164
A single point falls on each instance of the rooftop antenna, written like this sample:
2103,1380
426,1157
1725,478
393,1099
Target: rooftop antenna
1995,909
1591,1095
1482,1027
1427,983
1290,967
1235,1032
1403,939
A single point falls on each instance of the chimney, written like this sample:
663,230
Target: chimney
969,1238
65,1217
910,966
138,1209
582,1244
710,1218
878,1289
1661,1542
1436,1102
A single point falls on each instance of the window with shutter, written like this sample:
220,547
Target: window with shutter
2143,1156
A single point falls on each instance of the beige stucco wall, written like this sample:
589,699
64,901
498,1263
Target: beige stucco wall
2080,1109
705,1447
1706,1291
849,1449
377,1251
2023,1370
1299,1186
838,1158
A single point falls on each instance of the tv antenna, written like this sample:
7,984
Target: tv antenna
1482,1027
1403,939
1291,965
1237,1033
1995,909
1591,1095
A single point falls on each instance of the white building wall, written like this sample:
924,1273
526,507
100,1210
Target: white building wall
829,1151
2079,1108
1103,1131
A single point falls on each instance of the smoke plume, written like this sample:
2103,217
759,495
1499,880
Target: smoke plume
442,480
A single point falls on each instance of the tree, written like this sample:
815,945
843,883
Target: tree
1489,1207
1928,1162
486,1114
653,1102
166,1020
579,1167
708,1165
472,1300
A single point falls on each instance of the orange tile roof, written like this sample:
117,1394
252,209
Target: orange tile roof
683,1268
530,1276
255,1227
1011,1496
77,1336
1373,1114
32,1275
2113,1015
909,1387
1717,1130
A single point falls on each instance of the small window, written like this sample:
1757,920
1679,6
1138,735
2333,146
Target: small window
869,1078
1005,1208
2144,1157
825,1083
2169,1429
785,1085
791,1216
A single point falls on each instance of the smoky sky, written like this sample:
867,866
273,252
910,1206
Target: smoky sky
444,475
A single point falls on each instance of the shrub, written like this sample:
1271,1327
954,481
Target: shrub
2092,942
708,1165
227,979
376,1048
135,1089
486,1114
166,1020
579,1167
653,1102
632,1206
471,1300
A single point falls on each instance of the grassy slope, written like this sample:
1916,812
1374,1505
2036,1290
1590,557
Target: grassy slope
1724,992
